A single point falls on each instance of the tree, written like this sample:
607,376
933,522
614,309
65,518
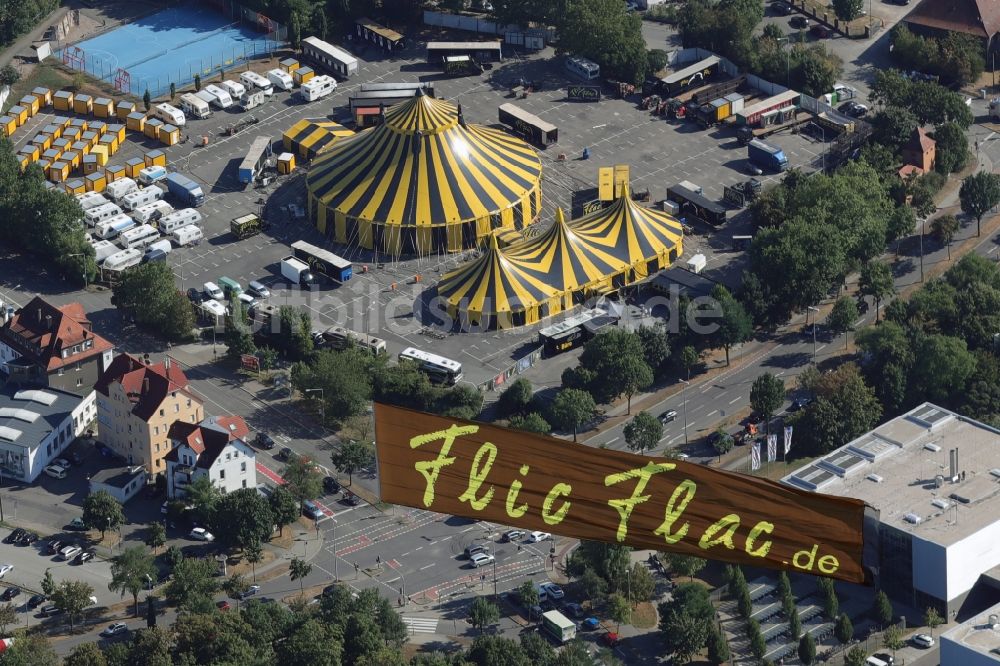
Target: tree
718,648
483,613
48,584
689,359
303,478
945,366
86,654
944,228
527,593
683,635
876,281
102,512
882,609
656,60
594,587
758,646
8,616
932,619
30,649
843,315
847,10
735,326
831,605
766,395
655,348
9,75
298,569
235,586
856,656
242,517
571,409
980,192
530,422
723,442
197,82
352,457
203,495
131,572
192,584
640,585
844,631
156,535
173,90
617,362
254,554
643,432
239,335
516,398
602,31
295,31
794,623
72,596
285,507
784,585
892,638
893,126
619,610
147,101
807,649
952,150
684,565
319,22
149,295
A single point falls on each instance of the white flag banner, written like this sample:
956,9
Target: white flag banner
755,456
788,439
772,448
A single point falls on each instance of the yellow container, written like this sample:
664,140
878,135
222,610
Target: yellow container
44,166
31,151
73,158
101,153
63,100
152,128
58,172
302,74
44,95
81,147
289,65
52,155
79,123
286,163
115,171
124,108
8,126
169,135
18,112
104,107
24,160
72,133
76,186
136,121
110,142
83,103
155,158
31,103
117,130
95,182
62,121
90,137
90,165
53,131
62,144
43,141
134,166
98,126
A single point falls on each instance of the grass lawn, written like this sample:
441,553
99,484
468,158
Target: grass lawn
644,616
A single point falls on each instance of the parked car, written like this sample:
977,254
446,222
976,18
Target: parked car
820,31
312,510
573,609
114,630
10,593
800,403
258,290
223,605
610,639
51,610
56,471
70,551
5,569
77,525
511,536
590,624
668,416
923,641
27,539
62,462
537,536
195,295
781,9
800,22
285,453
84,557
352,499
885,658
553,590
481,560
264,441
475,549
201,534
35,600
14,536
249,592
330,485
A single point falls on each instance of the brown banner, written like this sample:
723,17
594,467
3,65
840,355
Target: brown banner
536,482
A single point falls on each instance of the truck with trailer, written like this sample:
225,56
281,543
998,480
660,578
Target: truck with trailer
767,156
184,189
323,262
295,271
246,226
532,127
692,203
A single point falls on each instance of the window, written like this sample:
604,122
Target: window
61,372
161,412
79,382
156,430
189,402
157,448
244,483
79,366
88,343
222,473
243,467
177,408
229,457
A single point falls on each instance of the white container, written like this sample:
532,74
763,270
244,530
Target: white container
185,217
142,197
122,260
221,98
169,114
90,200
696,263
280,79
119,188
100,213
318,87
187,235
671,207
140,237
103,249
113,226
195,106
234,89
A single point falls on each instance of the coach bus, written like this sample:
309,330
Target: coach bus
692,203
439,370
478,51
693,76
328,56
529,125
340,338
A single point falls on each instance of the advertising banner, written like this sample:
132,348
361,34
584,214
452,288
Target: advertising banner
584,93
536,482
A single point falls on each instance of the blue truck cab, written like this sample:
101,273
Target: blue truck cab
185,189
767,156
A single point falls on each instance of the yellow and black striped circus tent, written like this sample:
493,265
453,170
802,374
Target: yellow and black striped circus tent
309,137
424,181
495,290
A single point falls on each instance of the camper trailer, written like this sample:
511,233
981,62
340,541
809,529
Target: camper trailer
195,106
113,227
178,219
187,235
220,97
101,213
142,197
122,260
318,87
235,90
254,80
281,79
151,212
169,114
139,237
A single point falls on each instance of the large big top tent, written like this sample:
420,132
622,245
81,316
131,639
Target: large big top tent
424,181
541,276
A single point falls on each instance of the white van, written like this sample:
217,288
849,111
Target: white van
184,217
318,87
874,661
140,237
187,235
213,291
280,79
122,260
169,114
223,100
195,106
103,249
583,68
152,212
234,89
119,188
164,246
101,213
90,200
113,226
142,197
152,174
254,80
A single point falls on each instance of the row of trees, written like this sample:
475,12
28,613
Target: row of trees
148,295
957,59
19,16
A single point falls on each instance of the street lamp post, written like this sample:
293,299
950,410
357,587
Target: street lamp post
813,309
86,281
336,559
687,385
322,406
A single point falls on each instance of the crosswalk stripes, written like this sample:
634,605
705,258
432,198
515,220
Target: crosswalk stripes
421,625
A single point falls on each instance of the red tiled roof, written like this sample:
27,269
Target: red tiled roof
920,141
188,433
975,17
207,442
907,169
146,385
233,426
40,332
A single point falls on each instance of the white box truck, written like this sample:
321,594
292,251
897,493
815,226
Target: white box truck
220,97
195,106
295,271
559,626
119,188
318,87
169,114
281,79
234,89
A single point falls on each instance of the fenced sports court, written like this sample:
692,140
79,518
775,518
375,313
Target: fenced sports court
173,45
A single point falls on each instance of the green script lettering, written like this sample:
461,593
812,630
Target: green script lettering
763,527
557,517
515,488
674,511
726,524
430,469
625,506
477,475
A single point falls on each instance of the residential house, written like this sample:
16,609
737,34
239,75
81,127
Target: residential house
123,483
217,449
137,403
36,426
938,18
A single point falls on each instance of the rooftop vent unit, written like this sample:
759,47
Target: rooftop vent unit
995,472
932,447
940,503
959,498
874,477
913,518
